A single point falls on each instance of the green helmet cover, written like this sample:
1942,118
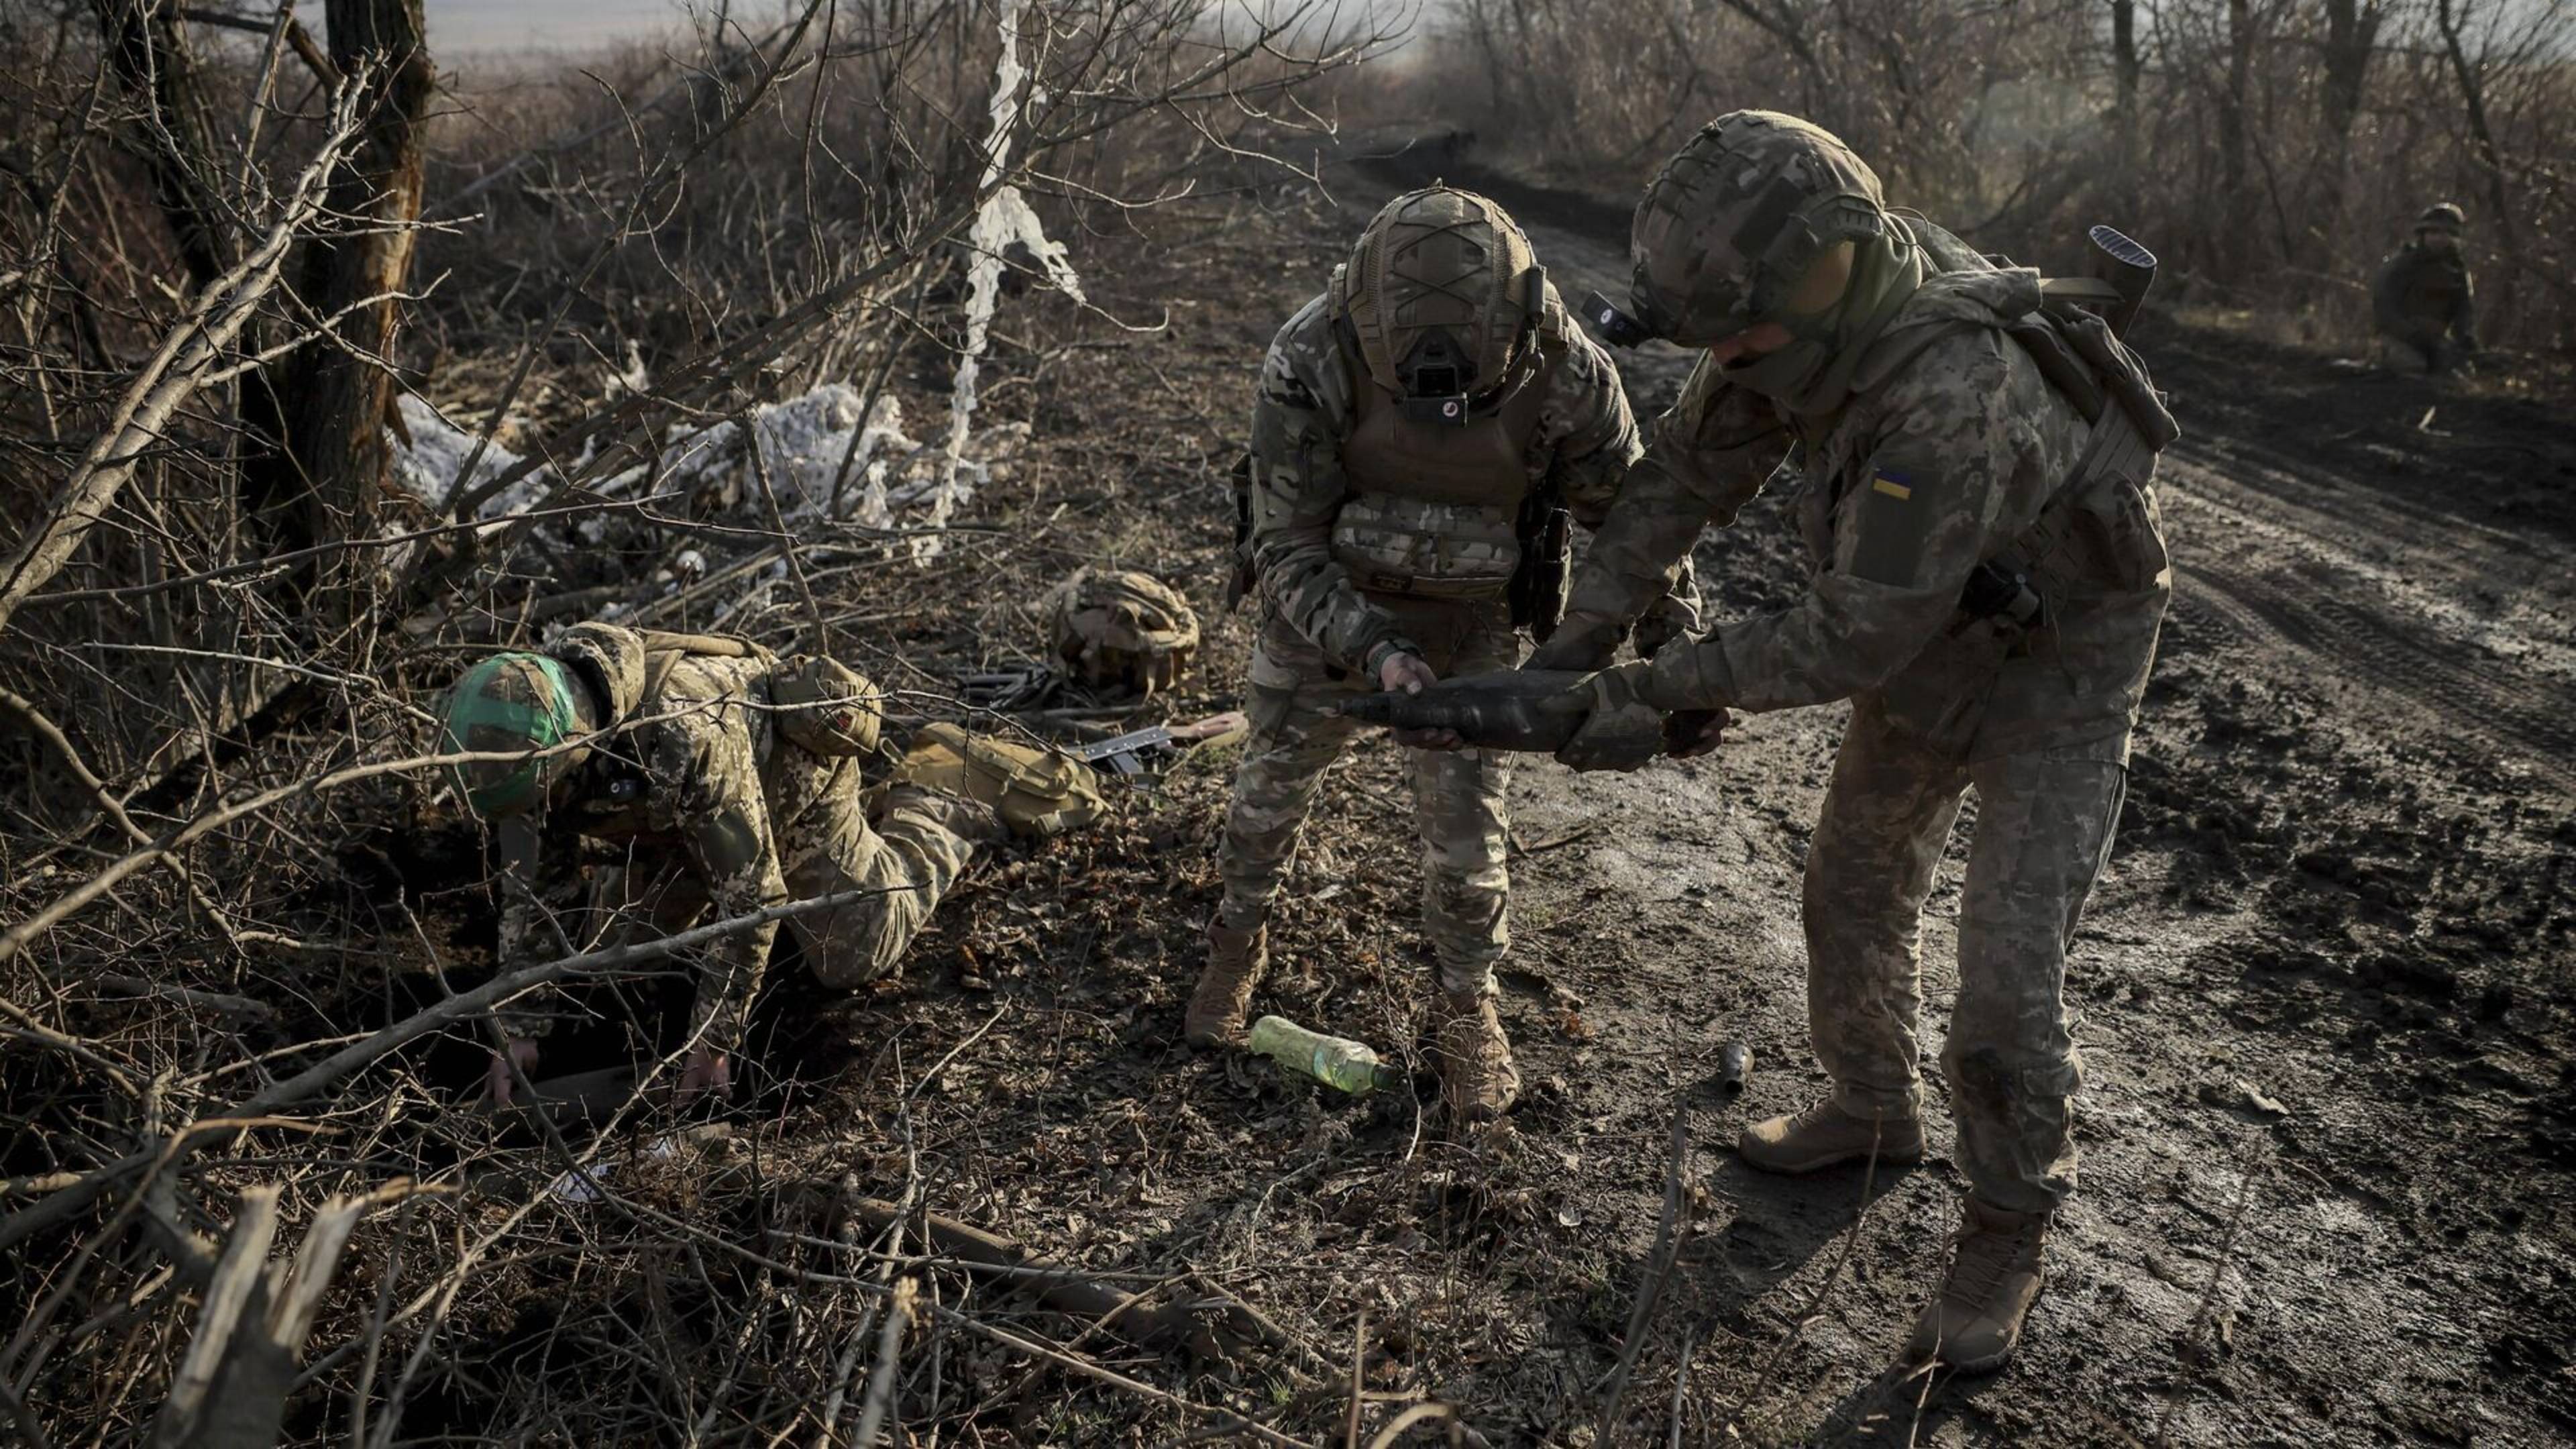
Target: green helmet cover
513,702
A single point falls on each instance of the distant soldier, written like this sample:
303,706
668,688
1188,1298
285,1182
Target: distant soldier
1419,433
1989,577
734,778
2423,302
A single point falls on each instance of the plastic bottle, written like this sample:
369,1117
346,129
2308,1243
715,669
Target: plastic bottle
1334,1061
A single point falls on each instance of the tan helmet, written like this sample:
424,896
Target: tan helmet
1446,299
1118,627
2442,216
825,707
1730,225
517,704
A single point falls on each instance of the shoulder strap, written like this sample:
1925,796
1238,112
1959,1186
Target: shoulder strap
666,649
718,646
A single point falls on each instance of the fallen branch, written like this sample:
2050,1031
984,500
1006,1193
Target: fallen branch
1659,1267
1089,1370
73,1198
898,1317
1065,1289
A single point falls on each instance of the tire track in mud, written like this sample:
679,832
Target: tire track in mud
2308,606
2501,706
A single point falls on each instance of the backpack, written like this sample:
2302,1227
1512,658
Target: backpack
1036,791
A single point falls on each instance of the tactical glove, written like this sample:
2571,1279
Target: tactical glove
1619,730
1672,616
1667,619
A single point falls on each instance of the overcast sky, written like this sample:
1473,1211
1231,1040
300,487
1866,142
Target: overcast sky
553,24
515,25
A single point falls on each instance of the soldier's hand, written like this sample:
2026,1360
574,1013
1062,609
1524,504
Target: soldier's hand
1669,619
705,1071
1407,674
1619,731
499,1082
1691,733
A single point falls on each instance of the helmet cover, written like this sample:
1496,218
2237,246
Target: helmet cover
513,703
2442,216
1732,222
1119,626
1443,293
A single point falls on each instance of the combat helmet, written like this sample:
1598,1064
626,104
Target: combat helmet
1445,299
1730,225
516,703
1120,628
2442,216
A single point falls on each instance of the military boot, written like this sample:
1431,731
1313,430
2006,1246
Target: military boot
1825,1135
1236,958
1975,1320
1478,1082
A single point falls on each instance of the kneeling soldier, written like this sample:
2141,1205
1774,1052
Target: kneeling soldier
734,779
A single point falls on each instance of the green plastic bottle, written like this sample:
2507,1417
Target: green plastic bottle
1336,1062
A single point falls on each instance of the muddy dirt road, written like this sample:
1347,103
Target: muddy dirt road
2325,991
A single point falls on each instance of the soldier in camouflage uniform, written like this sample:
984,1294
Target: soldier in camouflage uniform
1990,574
2422,300
733,779
1412,430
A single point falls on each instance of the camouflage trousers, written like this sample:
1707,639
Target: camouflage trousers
908,859
2043,832
2414,356
1458,805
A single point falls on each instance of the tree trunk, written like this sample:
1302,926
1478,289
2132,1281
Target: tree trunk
326,478
2125,71
2352,38
2235,141
2452,19
148,47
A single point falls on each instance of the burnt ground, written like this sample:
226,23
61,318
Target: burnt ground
2325,996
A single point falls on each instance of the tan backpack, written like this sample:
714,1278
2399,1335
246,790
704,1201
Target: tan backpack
1036,791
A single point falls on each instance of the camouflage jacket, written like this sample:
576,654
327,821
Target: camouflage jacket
2422,295
1302,411
1942,459
697,778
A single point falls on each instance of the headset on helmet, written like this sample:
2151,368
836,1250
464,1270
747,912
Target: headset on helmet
1731,224
1445,298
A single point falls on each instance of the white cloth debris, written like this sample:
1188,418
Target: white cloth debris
1004,220
803,442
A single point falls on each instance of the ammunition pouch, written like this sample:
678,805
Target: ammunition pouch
1539,586
1240,582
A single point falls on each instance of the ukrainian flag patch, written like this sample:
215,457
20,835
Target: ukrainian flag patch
1890,546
